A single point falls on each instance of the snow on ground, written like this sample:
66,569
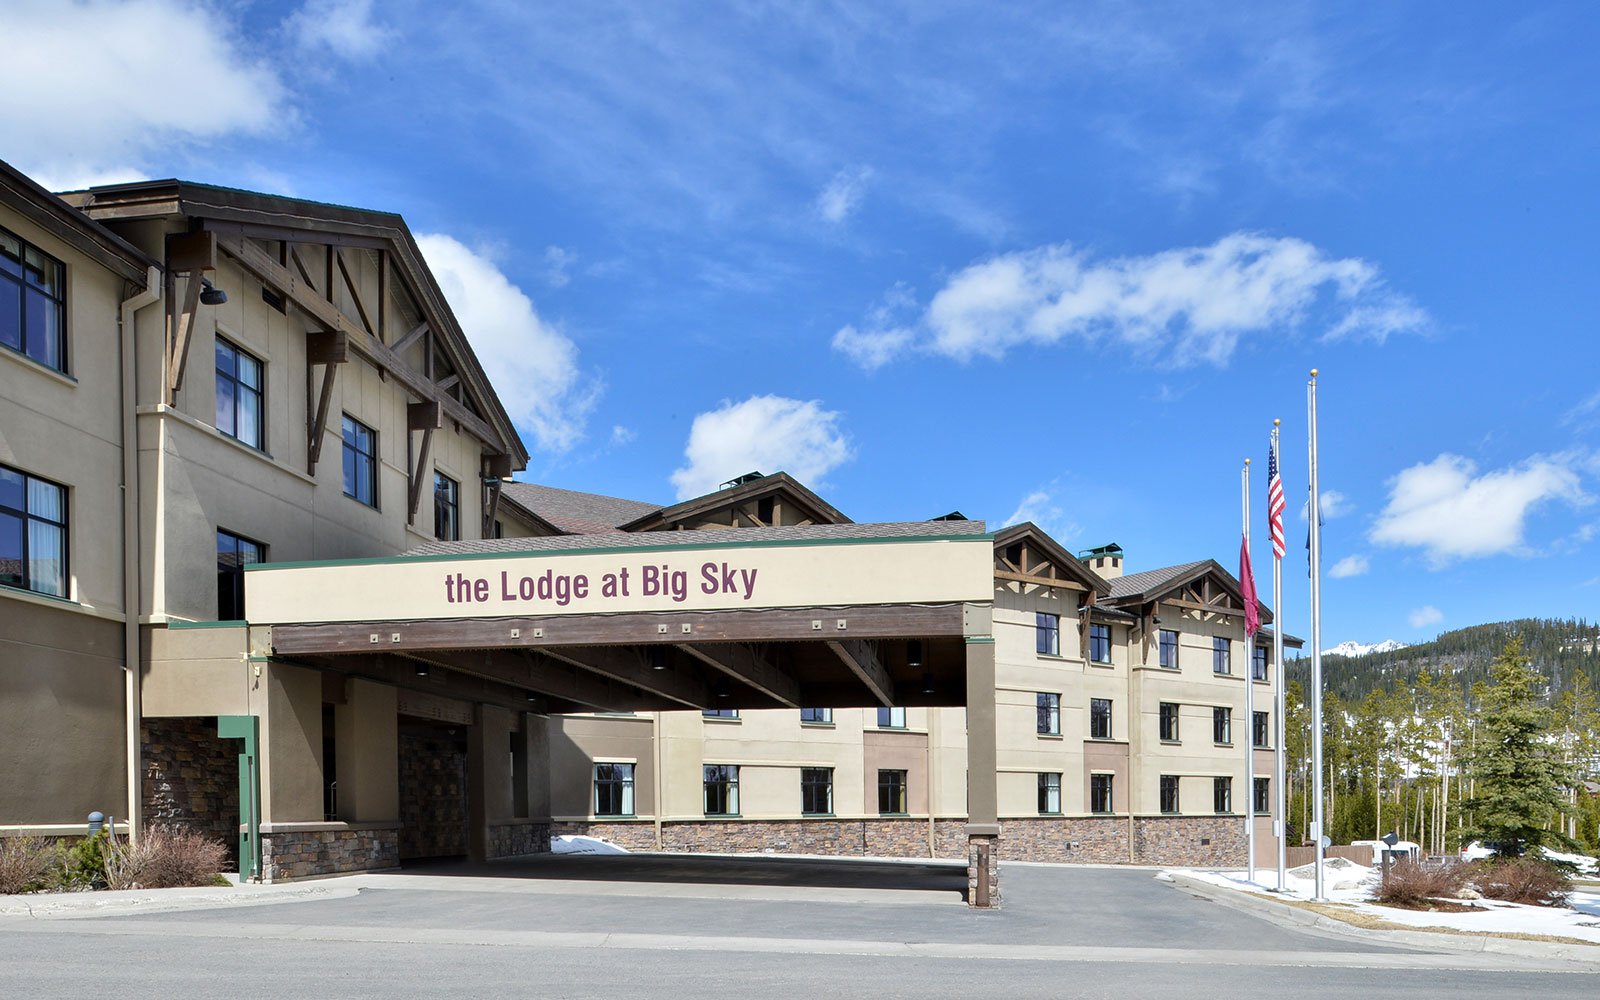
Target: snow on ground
1351,884
584,845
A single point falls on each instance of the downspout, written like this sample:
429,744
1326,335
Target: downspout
127,349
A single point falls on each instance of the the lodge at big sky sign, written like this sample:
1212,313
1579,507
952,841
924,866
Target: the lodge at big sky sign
699,577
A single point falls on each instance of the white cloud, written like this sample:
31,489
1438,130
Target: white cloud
98,89
1039,506
343,27
1334,504
1349,566
621,435
1425,615
765,434
533,365
557,261
1187,305
1451,512
843,194
887,330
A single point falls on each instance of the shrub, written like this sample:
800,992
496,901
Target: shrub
81,866
25,864
166,857
1524,880
1416,886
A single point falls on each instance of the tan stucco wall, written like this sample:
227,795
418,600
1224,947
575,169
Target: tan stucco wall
577,741
291,737
196,671
367,742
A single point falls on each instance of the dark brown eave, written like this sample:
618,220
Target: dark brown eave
1059,556
61,220
817,509
250,214
1164,590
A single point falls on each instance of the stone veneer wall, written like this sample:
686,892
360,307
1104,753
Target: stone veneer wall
292,854
191,778
891,838
513,838
1189,841
433,795
635,835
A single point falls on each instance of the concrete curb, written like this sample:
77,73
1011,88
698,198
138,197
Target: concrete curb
1271,909
131,902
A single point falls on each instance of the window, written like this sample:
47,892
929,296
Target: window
33,533
1100,793
1049,714
446,508
1169,793
816,791
1258,663
817,716
1050,794
234,553
1169,649
722,789
1222,794
1169,722
1047,633
613,789
891,718
360,462
891,793
1100,643
32,293
1259,731
1100,718
239,394
1263,796
1220,649
1222,725
720,713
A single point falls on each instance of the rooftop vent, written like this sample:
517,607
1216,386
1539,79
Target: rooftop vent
1104,559
748,477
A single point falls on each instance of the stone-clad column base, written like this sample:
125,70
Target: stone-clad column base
983,866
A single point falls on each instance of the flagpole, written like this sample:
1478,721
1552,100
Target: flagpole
1314,515
1279,774
1249,789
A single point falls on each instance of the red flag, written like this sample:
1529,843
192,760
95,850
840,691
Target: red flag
1247,586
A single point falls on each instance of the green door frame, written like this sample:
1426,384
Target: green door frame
247,728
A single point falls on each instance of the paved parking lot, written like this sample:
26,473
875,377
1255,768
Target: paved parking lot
663,927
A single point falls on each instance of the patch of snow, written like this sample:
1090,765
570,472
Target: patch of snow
1352,648
578,844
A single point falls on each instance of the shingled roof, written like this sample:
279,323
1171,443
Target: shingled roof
1138,584
619,539
578,513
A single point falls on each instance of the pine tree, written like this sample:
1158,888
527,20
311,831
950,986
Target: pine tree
1519,778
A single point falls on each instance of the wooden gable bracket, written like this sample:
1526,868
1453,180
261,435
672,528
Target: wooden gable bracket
426,417
1085,613
330,349
192,254
496,469
355,295
747,666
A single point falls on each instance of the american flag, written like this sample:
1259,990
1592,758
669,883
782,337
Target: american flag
1275,502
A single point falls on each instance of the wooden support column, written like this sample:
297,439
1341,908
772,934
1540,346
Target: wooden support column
427,418
330,349
983,804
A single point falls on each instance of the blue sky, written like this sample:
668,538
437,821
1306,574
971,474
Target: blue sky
1064,262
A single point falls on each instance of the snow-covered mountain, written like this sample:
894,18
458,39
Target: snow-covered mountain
1352,648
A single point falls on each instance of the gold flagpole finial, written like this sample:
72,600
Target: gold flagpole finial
1313,373
1276,421
1247,461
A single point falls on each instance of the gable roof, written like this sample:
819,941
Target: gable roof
1058,556
235,214
575,513
623,540
1154,584
49,212
818,510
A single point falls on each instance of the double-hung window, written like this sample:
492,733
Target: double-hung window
1169,648
892,793
234,553
1049,706
1100,643
446,508
1047,633
720,713
360,461
239,383
1050,793
816,791
722,789
1221,725
1100,718
613,789
1222,794
1263,800
1169,722
1260,731
33,533
891,718
1100,800
1258,663
1220,649
817,716
1169,793
33,299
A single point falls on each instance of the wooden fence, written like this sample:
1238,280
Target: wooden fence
1306,855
